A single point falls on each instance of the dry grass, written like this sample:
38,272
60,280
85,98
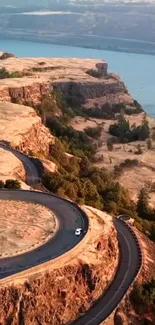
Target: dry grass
24,226
59,68
10,166
16,121
133,178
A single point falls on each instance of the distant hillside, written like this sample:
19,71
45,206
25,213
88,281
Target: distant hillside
129,28
113,26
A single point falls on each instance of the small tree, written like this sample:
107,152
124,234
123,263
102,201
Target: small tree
53,181
139,150
145,131
57,150
143,203
149,144
110,145
47,108
12,184
153,135
1,184
152,232
4,73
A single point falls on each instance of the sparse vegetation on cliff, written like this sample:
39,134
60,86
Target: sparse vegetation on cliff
145,221
71,179
101,191
110,144
72,176
78,143
107,111
143,208
6,55
47,108
79,180
127,163
143,301
95,73
4,74
127,133
93,132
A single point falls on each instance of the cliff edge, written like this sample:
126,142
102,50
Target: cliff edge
86,81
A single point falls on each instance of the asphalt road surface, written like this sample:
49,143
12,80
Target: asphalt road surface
130,262
32,175
71,217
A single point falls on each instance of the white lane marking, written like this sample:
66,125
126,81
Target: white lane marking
126,274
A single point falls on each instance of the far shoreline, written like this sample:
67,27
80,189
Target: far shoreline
87,47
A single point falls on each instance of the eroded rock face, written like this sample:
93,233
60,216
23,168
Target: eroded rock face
90,90
22,128
57,297
120,318
25,94
30,93
83,79
10,166
37,139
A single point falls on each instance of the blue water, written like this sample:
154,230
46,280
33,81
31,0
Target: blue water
136,70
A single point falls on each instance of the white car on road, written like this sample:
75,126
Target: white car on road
78,231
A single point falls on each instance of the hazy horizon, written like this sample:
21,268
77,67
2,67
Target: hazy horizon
46,3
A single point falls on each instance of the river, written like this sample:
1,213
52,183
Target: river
136,70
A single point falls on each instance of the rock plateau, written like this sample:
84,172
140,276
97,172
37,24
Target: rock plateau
86,79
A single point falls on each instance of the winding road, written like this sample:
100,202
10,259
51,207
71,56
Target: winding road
70,217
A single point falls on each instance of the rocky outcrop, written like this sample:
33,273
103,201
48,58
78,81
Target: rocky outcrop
90,90
30,93
22,128
67,288
10,166
84,80
36,140
120,319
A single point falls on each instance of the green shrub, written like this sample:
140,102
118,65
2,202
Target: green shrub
110,145
127,163
1,184
12,184
93,132
78,142
6,55
144,295
4,74
139,150
125,133
95,73
41,63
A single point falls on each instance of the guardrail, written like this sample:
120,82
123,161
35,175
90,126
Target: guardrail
140,264
137,243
